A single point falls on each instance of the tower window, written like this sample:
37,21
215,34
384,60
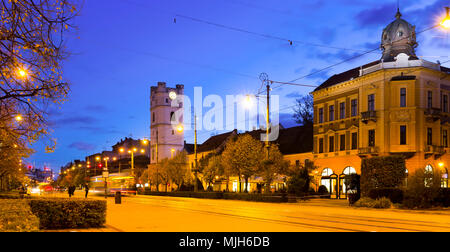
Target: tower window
354,107
331,110
430,99
172,116
342,110
371,138
429,136
403,135
331,144
342,143
371,102
445,104
445,138
354,141
321,115
153,117
403,97
321,145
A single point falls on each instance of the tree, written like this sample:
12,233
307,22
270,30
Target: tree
32,48
304,110
214,168
177,167
32,39
382,172
275,165
300,179
243,157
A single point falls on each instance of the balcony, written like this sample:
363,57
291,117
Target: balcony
368,116
433,113
369,150
434,149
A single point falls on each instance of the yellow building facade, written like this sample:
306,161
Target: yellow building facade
397,105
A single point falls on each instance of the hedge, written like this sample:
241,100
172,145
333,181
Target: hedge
59,213
395,195
382,172
221,195
16,216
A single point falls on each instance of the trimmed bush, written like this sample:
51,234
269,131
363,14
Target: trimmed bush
395,195
221,195
443,198
59,213
371,203
322,190
16,216
382,172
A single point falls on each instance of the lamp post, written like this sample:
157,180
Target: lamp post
105,176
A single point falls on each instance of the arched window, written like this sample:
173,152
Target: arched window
326,180
349,170
429,169
327,172
444,179
428,175
172,116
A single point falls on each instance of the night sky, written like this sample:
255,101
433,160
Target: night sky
122,47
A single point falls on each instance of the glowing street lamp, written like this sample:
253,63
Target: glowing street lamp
22,73
446,22
441,164
19,118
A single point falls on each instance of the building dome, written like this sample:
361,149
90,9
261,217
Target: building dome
398,37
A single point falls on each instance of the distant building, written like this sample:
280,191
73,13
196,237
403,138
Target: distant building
165,138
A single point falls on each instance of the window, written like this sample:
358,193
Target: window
371,102
331,144
153,117
342,143
403,135
445,138
429,136
331,109
445,104
430,99
321,145
354,107
321,115
172,116
371,138
342,110
354,141
402,97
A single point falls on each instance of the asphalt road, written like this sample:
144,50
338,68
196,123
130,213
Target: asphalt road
166,214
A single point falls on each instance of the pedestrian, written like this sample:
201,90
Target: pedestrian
69,190
86,188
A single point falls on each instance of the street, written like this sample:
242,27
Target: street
167,214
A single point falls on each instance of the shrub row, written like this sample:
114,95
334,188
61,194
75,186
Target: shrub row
373,203
16,216
222,195
395,195
59,213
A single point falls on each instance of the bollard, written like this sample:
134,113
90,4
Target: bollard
118,198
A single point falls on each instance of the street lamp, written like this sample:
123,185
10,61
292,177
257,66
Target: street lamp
22,72
19,118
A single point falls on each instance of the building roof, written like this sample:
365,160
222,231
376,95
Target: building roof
345,76
290,141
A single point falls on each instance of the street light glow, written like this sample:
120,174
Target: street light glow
446,22
180,128
22,72
19,118
248,102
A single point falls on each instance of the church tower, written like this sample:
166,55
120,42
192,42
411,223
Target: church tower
165,118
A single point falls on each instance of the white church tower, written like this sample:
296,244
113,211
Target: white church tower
165,117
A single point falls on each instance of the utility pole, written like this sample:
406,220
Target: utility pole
157,174
195,153
265,80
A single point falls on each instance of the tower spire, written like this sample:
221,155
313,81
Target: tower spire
398,15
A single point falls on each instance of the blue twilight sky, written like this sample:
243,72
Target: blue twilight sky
122,47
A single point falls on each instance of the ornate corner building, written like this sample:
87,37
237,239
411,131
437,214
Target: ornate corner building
398,105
